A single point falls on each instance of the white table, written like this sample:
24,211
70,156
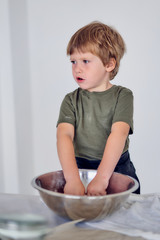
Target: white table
12,203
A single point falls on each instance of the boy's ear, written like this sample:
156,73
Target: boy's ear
111,64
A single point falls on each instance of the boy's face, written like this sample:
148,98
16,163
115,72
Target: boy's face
89,71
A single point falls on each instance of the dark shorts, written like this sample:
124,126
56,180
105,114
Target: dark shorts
124,166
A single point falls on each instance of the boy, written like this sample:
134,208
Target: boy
95,119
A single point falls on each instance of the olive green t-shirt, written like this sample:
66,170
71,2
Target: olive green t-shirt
92,115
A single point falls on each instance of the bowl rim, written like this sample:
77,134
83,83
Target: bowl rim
57,194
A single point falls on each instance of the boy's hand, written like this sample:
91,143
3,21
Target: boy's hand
97,187
74,187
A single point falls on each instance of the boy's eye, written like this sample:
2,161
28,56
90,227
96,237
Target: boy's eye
73,62
85,61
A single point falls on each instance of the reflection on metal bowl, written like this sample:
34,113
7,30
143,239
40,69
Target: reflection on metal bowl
51,185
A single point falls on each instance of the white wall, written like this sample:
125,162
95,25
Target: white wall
8,148
40,75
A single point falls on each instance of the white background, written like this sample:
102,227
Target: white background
35,74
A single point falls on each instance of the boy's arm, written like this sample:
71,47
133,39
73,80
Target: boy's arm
65,135
112,153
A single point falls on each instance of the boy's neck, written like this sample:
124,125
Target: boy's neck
102,89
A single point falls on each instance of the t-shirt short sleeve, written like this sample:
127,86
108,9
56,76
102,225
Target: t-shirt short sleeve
124,108
67,112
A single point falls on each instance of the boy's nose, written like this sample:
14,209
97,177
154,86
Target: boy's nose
78,69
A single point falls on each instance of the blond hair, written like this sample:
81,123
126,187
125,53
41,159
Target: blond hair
101,40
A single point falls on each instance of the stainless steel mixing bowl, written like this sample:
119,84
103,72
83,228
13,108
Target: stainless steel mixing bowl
51,185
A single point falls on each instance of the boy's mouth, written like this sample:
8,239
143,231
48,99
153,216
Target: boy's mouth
80,79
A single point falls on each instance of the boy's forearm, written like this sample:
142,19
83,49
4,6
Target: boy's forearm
112,153
67,157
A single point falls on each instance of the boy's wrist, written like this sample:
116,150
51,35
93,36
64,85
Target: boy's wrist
105,176
72,177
